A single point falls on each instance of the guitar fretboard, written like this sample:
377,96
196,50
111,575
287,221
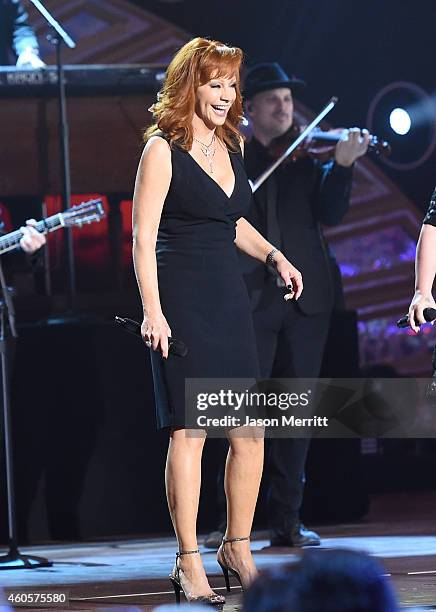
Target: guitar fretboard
10,241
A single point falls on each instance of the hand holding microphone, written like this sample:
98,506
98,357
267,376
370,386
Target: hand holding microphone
428,314
175,347
419,310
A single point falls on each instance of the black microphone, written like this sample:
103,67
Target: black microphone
175,347
428,313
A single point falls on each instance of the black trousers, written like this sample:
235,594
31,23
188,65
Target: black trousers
290,345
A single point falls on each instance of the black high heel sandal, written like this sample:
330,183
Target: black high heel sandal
213,599
224,564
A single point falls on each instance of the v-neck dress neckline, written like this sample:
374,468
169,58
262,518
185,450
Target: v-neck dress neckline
229,197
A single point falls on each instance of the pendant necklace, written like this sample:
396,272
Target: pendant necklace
208,151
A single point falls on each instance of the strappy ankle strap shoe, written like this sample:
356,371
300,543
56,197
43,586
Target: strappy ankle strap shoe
224,564
212,599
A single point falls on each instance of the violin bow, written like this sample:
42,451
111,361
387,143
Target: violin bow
267,173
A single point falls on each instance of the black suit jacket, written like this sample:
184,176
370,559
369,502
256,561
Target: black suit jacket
307,194
15,32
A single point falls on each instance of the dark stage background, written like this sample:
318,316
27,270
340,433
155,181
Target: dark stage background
88,461
348,49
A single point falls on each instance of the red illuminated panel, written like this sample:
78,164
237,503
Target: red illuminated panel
5,220
126,216
91,245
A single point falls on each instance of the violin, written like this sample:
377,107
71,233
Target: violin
320,144
298,137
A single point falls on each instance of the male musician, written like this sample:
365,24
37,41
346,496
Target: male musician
17,37
425,268
290,208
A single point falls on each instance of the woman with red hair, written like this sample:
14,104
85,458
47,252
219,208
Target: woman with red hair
191,193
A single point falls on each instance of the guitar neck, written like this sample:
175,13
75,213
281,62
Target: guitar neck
12,240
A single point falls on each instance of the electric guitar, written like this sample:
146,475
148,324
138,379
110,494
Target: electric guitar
76,216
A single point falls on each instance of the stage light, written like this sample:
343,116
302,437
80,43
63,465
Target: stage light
400,121
404,114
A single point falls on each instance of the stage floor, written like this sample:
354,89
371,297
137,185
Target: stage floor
122,573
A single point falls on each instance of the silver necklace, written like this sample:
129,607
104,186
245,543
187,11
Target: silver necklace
208,151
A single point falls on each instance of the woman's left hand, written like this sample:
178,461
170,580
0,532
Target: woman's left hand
290,276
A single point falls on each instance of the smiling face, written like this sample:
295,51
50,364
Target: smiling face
214,99
272,113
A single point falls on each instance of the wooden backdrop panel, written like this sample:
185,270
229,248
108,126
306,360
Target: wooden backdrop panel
109,31
105,144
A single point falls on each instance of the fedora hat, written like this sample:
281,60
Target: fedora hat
268,75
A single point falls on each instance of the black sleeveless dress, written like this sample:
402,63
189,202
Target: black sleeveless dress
202,292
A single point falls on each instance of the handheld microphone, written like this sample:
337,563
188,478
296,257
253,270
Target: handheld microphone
428,313
175,347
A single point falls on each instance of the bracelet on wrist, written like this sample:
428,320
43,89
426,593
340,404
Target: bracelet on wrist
270,257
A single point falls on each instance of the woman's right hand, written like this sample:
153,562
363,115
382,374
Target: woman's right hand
155,332
416,309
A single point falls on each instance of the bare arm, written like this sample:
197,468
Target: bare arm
151,187
248,239
425,271
425,265
251,242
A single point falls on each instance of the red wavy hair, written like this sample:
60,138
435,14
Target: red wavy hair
195,64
